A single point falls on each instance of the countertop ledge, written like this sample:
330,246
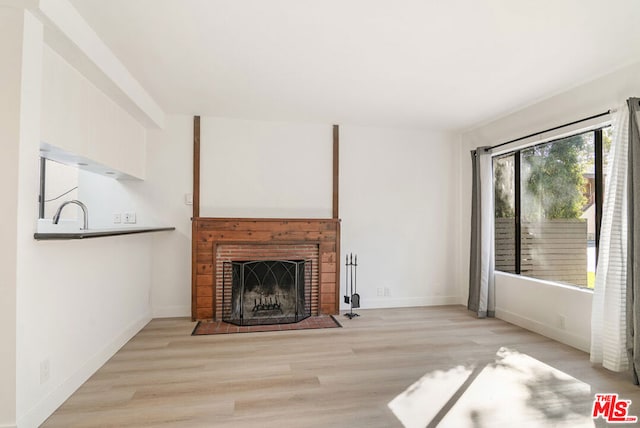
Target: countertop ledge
97,233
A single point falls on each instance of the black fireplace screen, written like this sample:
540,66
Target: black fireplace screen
266,291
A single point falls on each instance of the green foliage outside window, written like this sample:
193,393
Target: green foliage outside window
554,181
503,187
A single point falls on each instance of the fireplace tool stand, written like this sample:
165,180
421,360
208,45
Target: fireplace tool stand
351,295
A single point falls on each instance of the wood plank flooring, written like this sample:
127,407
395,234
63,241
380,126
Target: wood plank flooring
341,377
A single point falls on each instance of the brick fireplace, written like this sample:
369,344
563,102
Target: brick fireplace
220,240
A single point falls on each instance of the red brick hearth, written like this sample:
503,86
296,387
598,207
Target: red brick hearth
217,240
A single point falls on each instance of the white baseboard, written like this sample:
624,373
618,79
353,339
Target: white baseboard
404,302
45,407
563,336
8,426
172,311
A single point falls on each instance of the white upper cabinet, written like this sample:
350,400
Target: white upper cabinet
132,138
64,115
80,119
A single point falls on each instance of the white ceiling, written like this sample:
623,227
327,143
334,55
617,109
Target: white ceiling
436,64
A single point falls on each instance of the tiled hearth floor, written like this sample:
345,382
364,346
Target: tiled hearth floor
221,327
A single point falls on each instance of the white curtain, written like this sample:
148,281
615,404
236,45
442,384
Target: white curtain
482,263
608,317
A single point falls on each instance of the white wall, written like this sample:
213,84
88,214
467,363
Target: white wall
159,200
557,311
77,302
169,179
11,22
398,210
397,196
259,169
513,298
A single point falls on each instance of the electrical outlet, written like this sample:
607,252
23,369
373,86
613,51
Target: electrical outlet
562,321
45,370
130,218
387,293
380,292
117,218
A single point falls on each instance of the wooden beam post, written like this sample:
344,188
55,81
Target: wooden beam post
196,214
336,211
336,170
196,166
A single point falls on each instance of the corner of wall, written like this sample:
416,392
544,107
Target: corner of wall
175,311
562,336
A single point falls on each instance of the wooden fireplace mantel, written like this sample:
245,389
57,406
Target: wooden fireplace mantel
210,233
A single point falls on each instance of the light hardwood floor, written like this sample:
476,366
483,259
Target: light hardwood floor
343,377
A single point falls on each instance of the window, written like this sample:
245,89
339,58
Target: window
505,209
58,183
548,205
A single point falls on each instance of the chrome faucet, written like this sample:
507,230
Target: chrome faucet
85,215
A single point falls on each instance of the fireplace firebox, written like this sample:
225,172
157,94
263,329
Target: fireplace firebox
260,292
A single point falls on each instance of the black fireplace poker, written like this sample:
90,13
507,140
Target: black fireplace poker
351,291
